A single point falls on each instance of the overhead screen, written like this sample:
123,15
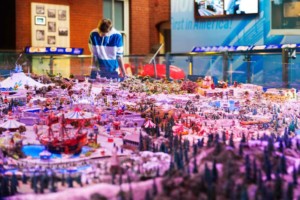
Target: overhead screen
223,8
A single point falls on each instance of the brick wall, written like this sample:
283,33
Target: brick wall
161,8
84,16
145,15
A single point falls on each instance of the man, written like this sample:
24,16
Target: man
106,45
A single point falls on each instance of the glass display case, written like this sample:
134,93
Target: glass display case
269,68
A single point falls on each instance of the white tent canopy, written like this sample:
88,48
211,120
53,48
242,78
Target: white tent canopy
11,124
20,79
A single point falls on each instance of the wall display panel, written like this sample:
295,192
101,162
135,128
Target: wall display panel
50,25
285,17
188,32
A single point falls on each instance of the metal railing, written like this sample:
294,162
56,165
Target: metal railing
263,67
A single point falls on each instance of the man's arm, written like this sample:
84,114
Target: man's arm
121,65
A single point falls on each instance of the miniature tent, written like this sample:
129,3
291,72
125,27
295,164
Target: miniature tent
11,124
78,114
149,124
20,80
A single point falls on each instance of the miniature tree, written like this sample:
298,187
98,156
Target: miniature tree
248,168
120,178
13,184
200,142
113,176
5,186
292,126
171,167
281,147
35,183
295,176
141,143
289,143
162,127
283,167
130,188
244,193
267,165
186,156
42,184
211,193
241,151
210,140
224,137
259,180
178,160
70,181
243,140
218,147
195,167
278,187
217,138
207,175
215,174
154,188
148,143
63,179
228,188
157,131
290,191
163,148
52,183
186,144
231,143
121,194
148,196
195,150
254,177
270,145
157,172
153,148
24,178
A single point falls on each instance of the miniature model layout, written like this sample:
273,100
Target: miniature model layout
143,138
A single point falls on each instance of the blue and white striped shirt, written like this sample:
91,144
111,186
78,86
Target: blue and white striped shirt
107,48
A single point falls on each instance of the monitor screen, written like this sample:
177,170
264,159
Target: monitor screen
285,17
223,8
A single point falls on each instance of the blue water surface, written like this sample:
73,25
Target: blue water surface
35,150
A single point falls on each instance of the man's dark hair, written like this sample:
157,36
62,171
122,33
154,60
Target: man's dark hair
105,26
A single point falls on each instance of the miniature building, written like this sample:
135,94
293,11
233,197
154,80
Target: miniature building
131,140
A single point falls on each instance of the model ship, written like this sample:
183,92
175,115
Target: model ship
59,139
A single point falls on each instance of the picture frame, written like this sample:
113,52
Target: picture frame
62,15
51,26
51,13
40,35
40,9
51,40
63,31
40,20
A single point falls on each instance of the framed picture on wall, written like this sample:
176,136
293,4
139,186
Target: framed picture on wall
51,13
62,15
40,20
51,26
40,35
63,31
40,9
51,39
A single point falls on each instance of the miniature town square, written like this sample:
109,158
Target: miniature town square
143,138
